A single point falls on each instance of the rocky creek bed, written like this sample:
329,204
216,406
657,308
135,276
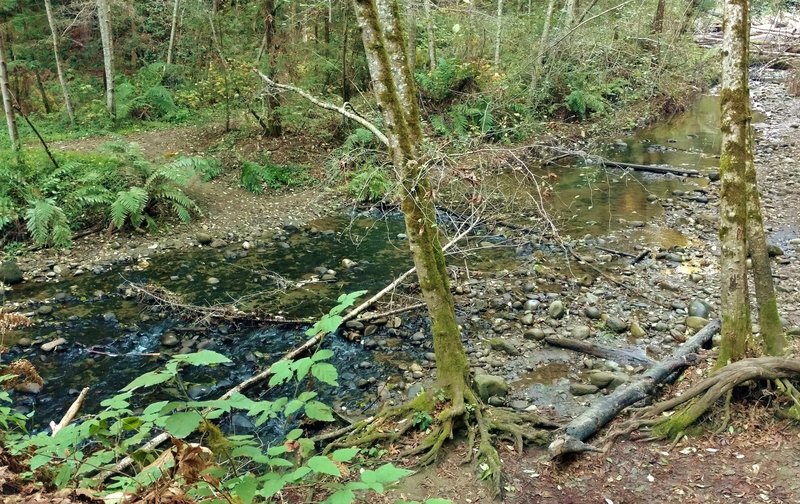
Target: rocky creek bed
519,290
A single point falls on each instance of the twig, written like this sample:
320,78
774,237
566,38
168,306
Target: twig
612,251
372,316
71,412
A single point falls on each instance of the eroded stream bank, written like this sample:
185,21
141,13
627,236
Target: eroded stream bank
512,291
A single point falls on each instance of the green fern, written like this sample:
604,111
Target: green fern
47,224
371,184
251,177
129,205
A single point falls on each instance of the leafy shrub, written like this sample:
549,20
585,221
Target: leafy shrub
255,176
371,184
446,80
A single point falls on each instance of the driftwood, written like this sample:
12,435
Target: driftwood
663,170
71,413
592,420
630,355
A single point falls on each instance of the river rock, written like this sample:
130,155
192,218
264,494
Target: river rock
24,342
581,389
170,339
696,322
616,324
354,324
502,345
610,379
44,310
556,309
637,331
580,331
536,334
10,273
52,345
212,281
774,250
531,305
217,244
348,263
490,386
698,308
203,238
527,319
793,331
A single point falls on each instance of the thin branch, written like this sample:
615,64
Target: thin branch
329,106
69,416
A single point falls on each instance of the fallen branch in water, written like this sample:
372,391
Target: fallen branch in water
71,413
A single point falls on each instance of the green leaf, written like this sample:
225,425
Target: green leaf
438,501
386,473
324,465
343,496
182,424
294,405
271,486
246,488
149,379
202,358
281,371
344,454
323,354
301,367
291,436
346,301
326,373
316,410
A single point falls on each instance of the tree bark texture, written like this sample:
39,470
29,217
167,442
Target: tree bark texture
59,70
537,65
430,29
104,20
8,103
735,125
768,317
658,19
394,89
498,33
173,32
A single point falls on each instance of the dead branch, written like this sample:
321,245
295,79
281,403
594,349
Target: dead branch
592,420
631,355
69,416
328,106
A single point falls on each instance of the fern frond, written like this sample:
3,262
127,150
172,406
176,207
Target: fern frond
129,204
44,219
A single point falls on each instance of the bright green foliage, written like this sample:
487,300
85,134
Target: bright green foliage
47,223
78,451
274,176
371,184
449,78
422,420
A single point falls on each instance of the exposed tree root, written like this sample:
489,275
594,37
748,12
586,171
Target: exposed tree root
699,399
485,425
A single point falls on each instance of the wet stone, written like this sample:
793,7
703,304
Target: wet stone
536,334
698,308
44,310
503,345
527,319
581,389
170,339
580,331
637,331
10,273
490,386
616,324
204,238
212,281
592,313
556,309
696,322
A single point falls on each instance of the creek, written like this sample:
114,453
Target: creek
96,317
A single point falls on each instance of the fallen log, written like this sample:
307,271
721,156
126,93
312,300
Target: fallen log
592,420
662,170
630,355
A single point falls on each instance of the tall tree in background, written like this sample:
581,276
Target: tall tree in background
104,20
430,30
658,19
59,70
8,101
498,33
173,31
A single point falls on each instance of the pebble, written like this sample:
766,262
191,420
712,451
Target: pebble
580,331
212,280
616,324
170,339
44,310
52,345
592,312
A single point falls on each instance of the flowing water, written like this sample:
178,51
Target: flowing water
284,275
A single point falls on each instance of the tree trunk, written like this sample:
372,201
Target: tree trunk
345,78
537,66
8,105
411,39
430,29
60,71
735,125
498,33
658,19
274,127
768,318
570,13
394,89
104,20
173,32
688,15
45,101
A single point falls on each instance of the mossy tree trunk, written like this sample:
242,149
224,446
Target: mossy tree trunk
735,125
394,89
768,318
658,19
8,104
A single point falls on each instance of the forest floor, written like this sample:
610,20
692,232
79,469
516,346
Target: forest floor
757,459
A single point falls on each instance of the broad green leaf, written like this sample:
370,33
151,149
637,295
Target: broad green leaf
346,301
251,452
182,424
326,373
386,473
316,410
344,454
301,367
324,465
281,371
155,407
323,354
294,405
271,486
117,402
149,379
276,450
293,434
343,496
297,474
202,358
246,488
